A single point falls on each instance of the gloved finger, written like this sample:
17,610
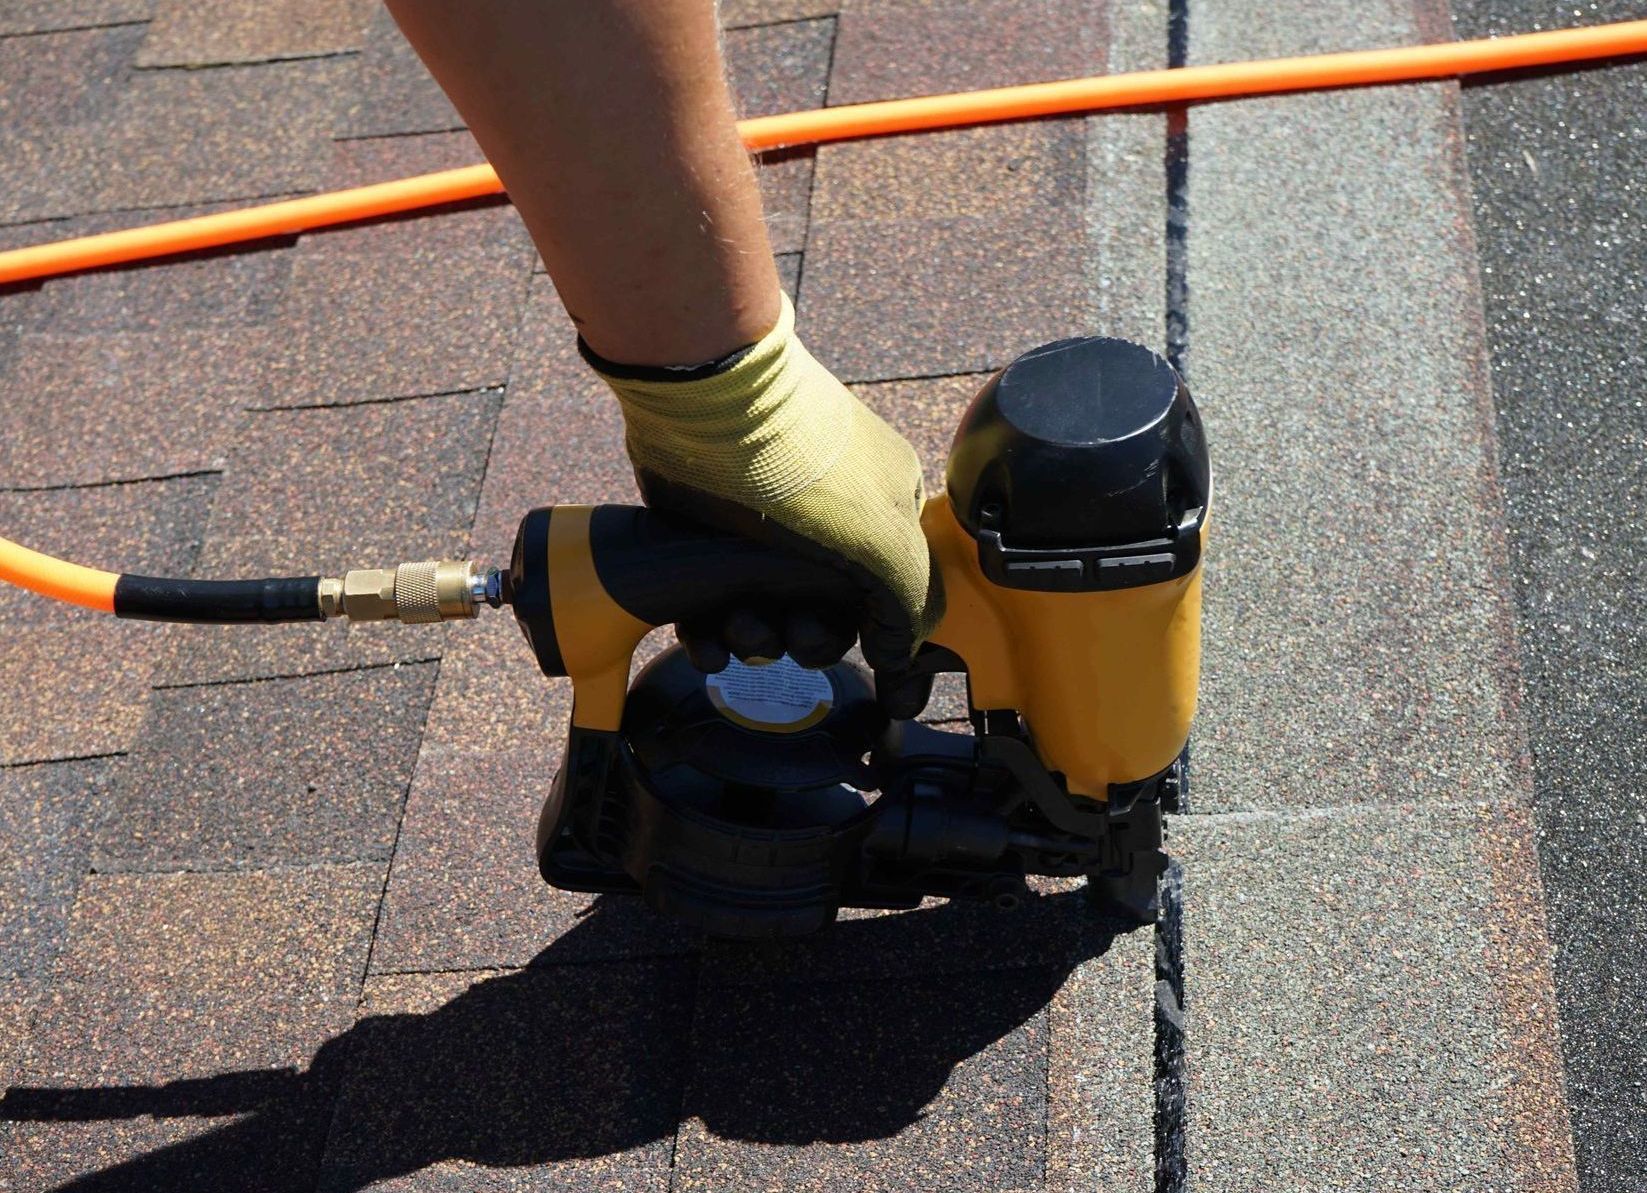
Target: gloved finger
816,637
902,695
886,634
889,632
748,635
703,648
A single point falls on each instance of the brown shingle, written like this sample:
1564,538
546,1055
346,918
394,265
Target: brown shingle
181,999
779,68
892,299
278,771
893,48
73,682
465,892
561,1078
782,68
560,435
738,13
171,399
931,1083
229,287
153,529
189,34
987,172
390,90
325,490
950,253
45,814
416,307
39,16
59,79
253,130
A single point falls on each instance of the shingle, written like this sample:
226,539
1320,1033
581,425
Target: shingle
17,996
46,814
278,771
992,171
789,272
253,130
738,13
905,236
485,225
73,688
151,529
390,90
465,892
186,34
176,398
182,1000
930,1083
40,16
414,307
1379,982
785,178
230,287
779,68
893,48
782,68
895,299
59,79
564,1079
560,435
325,490
1101,1071
1356,622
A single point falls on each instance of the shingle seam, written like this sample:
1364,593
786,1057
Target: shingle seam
1171,1083
394,842
492,389
778,24
243,63
156,479
522,312
58,217
434,131
87,28
28,762
177,685
686,1077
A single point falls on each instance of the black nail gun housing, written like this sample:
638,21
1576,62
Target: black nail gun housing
758,801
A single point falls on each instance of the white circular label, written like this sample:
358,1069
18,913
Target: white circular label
779,696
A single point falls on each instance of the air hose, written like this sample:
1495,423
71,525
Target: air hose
412,593
1097,93
433,591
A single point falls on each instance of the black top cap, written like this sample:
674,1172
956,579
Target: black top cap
1082,443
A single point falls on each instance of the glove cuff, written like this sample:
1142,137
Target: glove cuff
757,430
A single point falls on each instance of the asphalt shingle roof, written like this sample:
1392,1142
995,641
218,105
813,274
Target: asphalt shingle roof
269,915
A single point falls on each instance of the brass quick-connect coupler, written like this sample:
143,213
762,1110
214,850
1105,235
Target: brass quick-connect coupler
413,593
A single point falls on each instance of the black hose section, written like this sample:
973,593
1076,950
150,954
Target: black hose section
218,602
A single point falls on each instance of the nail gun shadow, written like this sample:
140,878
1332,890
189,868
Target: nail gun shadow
559,1062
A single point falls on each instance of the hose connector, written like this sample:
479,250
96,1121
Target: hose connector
413,593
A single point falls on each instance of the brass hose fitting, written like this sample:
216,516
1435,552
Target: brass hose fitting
413,593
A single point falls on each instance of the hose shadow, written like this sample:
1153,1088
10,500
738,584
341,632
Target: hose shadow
600,1062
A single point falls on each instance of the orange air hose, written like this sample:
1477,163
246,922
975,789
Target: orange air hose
56,579
1405,63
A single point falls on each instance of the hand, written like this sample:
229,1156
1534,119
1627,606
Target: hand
774,447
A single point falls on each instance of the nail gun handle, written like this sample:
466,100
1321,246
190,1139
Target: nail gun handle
588,582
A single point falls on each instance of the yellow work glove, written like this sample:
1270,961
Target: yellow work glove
773,446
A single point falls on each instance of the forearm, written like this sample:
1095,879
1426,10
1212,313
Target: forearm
611,125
